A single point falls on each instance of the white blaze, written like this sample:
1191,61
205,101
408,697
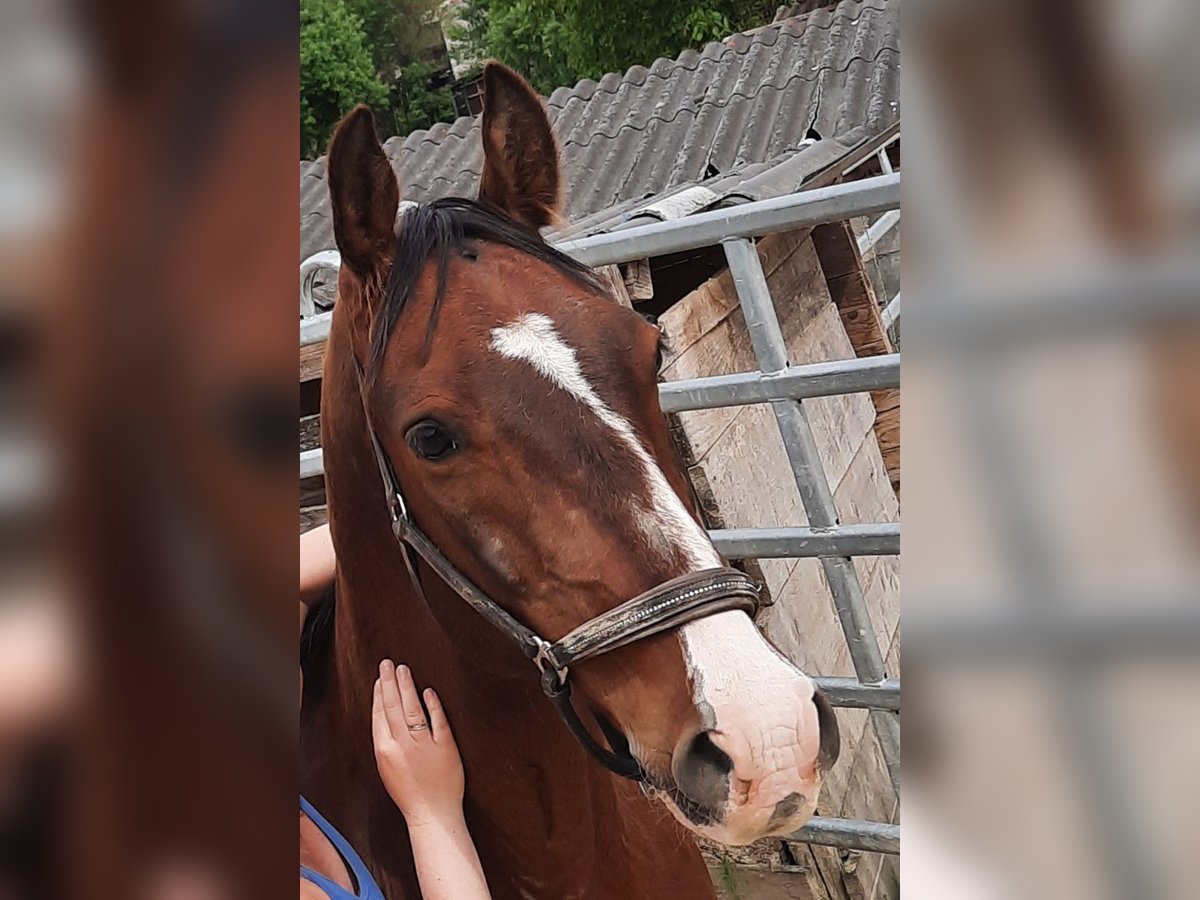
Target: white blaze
533,338
760,705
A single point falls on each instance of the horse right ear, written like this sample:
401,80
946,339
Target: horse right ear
364,193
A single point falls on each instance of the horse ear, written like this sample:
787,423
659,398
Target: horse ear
520,156
364,192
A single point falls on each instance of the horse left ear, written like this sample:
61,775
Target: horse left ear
363,192
520,156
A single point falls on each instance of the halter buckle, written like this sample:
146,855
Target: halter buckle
554,676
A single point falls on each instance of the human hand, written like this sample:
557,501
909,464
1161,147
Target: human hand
418,759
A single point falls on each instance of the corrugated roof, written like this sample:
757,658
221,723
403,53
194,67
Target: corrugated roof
725,110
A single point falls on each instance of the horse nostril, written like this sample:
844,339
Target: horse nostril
831,741
701,771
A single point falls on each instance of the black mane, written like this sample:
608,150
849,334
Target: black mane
439,229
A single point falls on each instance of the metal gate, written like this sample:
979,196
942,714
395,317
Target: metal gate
785,387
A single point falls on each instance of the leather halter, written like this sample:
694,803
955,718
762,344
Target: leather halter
669,605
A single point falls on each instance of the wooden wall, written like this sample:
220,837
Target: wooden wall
737,461
851,290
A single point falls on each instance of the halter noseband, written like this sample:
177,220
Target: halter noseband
669,605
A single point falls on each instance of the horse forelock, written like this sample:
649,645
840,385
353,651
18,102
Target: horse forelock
438,230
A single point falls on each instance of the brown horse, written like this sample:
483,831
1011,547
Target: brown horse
519,408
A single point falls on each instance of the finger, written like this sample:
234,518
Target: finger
438,724
414,716
393,708
380,730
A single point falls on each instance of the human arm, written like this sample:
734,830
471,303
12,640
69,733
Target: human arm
317,564
422,771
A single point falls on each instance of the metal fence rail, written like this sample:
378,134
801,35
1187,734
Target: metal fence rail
814,207
785,387
823,379
848,834
876,539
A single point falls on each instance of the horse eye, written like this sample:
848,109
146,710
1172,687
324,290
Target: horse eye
431,441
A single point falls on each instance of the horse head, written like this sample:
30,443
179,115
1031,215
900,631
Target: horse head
518,407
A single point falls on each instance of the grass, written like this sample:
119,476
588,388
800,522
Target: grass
729,878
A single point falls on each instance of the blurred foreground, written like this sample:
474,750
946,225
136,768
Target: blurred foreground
1051,449
148,485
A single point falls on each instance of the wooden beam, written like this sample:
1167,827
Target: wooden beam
850,289
610,276
310,432
312,361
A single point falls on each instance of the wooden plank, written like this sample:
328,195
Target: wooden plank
851,290
610,277
312,491
312,516
639,282
312,361
887,431
310,432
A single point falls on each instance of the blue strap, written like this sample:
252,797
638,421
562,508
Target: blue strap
332,889
367,888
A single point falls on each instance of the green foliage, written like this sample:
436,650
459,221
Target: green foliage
379,52
397,31
704,25
336,70
384,52
414,103
556,42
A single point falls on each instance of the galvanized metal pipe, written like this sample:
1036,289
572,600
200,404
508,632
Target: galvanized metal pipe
872,539
1094,630
766,337
312,463
891,313
823,379
830,204
315,329
849,834
813,207
853,694
325,261
878,230
885,162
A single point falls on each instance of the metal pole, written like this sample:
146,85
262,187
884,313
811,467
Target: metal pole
849,834
874,539
769,348
312,463
876,232
891,313
823,379
851,694
812,207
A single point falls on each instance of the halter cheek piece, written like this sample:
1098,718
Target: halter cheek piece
669,605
